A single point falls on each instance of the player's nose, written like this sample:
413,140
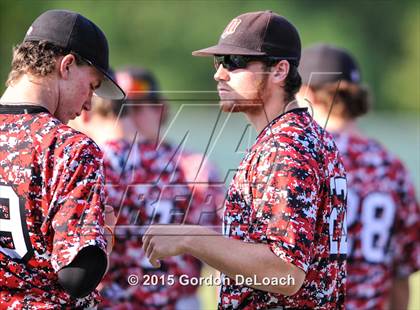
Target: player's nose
221,74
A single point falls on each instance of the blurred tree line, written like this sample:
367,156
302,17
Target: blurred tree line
160,35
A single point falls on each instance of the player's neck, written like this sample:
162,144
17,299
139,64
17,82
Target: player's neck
271,109
339,125
152,138
111,129
29,90
127,129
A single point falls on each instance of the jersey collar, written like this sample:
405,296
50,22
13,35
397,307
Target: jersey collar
21,109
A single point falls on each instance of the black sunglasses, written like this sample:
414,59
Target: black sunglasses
233,62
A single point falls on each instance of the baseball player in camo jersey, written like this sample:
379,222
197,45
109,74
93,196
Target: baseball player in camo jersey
137,170
383,216
52,240
285,207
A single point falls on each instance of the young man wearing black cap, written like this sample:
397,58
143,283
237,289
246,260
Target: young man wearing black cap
52,243
284,211
383,214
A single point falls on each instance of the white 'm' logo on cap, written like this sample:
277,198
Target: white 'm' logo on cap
231,28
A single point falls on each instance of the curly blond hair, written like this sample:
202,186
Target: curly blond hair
37,58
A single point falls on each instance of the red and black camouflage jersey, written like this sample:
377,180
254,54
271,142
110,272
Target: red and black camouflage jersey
51,207
383,222
289,192
146,187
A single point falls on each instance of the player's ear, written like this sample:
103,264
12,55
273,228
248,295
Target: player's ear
280,71
65,64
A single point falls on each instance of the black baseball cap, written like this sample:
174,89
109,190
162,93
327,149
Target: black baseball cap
77,34
261,33
323,63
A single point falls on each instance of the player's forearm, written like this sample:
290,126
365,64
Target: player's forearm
400,294
234,257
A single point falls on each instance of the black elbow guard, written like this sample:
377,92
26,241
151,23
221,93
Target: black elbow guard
84,273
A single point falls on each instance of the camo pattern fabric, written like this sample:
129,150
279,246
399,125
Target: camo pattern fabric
51,207
383,219
289,193
146,186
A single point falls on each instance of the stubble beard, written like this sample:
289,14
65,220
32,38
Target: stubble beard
246,105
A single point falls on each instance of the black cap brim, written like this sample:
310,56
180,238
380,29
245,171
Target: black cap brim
109,89
226,50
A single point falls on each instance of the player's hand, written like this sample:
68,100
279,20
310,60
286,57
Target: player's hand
110,221
110,218
161,241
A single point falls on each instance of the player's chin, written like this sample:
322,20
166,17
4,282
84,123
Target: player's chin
63,119
237,106
74,116
225,105
228,105
68,118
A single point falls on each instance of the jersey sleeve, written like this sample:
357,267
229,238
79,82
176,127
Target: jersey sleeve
286,200
78,200
407,246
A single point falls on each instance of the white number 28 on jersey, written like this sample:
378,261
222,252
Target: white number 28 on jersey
13,225
377,214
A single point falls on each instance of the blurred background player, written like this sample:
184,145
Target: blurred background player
52,243
145,179
382,212
149,117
